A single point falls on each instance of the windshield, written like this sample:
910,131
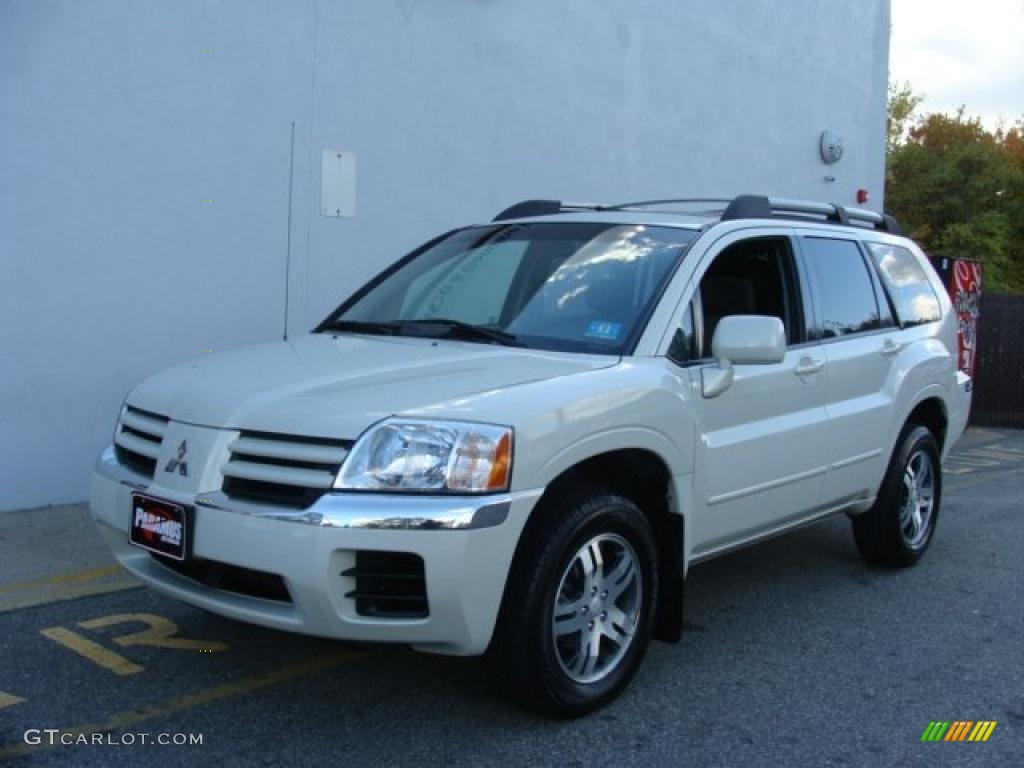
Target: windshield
586,287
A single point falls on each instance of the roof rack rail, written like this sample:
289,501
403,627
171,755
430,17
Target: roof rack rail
761,207
720,201
739,207
528,208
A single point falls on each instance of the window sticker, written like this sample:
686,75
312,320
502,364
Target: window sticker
602,329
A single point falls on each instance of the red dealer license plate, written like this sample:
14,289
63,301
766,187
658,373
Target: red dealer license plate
159,526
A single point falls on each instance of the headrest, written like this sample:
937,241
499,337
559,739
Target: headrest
723,296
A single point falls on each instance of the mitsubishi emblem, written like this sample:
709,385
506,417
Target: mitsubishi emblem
179,463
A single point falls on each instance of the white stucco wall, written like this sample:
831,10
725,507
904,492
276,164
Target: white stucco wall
116,125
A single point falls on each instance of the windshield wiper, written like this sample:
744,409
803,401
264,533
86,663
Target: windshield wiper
451,329
359,326
466,331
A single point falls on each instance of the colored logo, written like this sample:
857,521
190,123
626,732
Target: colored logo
602,329
959,730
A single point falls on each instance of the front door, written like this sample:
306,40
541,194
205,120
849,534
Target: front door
761,457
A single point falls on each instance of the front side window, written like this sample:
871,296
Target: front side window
752,277
683,347
575,286
911,292
843,290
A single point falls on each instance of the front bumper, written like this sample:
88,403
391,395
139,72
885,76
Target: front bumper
466,544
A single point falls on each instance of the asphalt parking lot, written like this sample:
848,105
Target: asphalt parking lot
795,653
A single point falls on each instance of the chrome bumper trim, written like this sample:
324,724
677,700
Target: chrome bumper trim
369,511
388,512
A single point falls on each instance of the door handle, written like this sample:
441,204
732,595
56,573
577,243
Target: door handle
808,366
890,347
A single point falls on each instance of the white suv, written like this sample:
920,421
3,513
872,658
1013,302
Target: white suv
516,440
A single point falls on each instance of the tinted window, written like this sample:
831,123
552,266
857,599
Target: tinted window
907,283
844,295
751,277
684,343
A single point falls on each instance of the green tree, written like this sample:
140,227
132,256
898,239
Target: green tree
903,102
957,188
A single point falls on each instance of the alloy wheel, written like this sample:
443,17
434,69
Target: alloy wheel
597,608
917,499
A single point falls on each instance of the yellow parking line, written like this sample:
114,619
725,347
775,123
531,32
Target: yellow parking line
94,652
975,461
64,578
65,586
192,700
965,481
44,596
997,454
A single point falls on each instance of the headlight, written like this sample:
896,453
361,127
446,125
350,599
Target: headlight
442,456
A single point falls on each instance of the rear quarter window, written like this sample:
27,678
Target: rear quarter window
911,292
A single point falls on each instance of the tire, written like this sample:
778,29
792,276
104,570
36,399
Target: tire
546,660
897,530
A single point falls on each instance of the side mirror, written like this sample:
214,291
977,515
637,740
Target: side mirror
742,340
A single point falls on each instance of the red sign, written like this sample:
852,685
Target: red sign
965,290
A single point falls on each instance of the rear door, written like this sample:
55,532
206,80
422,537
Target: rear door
855,326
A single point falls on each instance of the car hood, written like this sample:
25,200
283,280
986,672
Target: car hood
324,385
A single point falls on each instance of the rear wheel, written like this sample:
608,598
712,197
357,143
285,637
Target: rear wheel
899,527
577,614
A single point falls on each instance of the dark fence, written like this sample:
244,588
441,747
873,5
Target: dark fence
999,367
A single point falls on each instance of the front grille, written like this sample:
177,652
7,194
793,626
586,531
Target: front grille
138,438
388,585
229,578
282,469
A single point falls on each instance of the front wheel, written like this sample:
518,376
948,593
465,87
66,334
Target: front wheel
577,615
897,530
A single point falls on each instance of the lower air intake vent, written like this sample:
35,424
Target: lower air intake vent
284,470
388,585
230,578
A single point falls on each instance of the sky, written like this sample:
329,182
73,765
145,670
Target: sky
959,52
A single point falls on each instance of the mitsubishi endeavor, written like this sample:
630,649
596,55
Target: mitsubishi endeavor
516,440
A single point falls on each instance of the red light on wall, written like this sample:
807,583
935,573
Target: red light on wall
862,196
